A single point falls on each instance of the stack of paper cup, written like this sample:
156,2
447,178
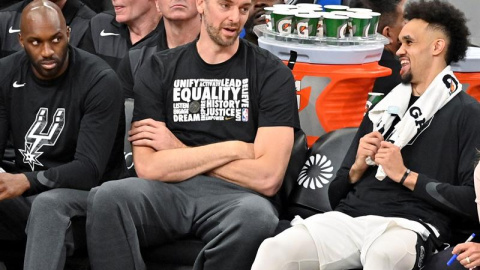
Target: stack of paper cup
330,8
307,23
335,25
360,24
283,19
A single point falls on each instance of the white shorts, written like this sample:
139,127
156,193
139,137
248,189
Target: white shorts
341,239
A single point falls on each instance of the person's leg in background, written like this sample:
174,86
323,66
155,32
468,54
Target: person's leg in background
14,215
440,259
49,230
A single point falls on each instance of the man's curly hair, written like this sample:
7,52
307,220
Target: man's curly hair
445,17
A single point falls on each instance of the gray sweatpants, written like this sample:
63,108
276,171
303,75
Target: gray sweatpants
128,214
45,218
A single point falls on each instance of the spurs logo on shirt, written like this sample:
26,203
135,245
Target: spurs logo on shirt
196,100
37,136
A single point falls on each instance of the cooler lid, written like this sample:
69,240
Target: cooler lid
320,50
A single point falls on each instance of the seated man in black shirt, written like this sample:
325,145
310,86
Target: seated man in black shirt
390,24
62,107
112,33
213,130
409,171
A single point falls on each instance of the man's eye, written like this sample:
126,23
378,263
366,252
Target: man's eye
56,40
34,43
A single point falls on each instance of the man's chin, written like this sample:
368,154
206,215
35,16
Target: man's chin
406,78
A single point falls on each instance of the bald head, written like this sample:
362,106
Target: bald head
44,36
42,11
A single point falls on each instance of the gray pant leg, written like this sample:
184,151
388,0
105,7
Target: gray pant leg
49,235
127,214
232,220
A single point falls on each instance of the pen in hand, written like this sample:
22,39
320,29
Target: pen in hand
454,257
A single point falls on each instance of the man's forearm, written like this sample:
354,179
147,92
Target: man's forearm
265,172
175,165
251,173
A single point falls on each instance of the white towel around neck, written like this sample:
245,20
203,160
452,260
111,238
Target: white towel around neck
442,89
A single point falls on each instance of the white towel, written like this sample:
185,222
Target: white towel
442,89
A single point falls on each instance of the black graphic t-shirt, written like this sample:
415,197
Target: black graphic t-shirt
66,132
202,103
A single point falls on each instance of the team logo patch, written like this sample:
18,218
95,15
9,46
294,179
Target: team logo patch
37,136
316,172
244,115
451,83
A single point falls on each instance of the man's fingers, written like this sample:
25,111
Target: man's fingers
143,142
141,135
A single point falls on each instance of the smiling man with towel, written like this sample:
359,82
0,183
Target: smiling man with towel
409,170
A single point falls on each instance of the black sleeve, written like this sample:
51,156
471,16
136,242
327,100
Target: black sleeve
124,72
4,128
148,95
87,41
98,128
340,186
458,198
278,99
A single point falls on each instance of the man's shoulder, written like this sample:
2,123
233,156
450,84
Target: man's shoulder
466,100
17,7
13,61
175,53
104,18
85,12
260,56
87,63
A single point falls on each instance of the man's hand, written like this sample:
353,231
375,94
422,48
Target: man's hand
469,250
390,157
153,134
367,147
12,185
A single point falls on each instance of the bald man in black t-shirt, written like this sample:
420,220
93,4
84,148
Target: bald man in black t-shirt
62,107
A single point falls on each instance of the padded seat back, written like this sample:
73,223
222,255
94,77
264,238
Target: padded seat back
295,164
310,195
127,147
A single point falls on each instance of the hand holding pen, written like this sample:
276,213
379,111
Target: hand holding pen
468,253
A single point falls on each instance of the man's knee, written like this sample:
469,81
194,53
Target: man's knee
396,248
255,216
112,194
55,200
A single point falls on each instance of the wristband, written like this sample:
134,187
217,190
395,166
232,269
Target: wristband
404,177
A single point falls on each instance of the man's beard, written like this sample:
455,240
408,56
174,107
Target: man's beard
407,78
215,35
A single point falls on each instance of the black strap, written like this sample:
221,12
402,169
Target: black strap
437,243
292,60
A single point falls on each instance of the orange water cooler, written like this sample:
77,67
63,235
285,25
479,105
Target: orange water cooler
332,81
467,72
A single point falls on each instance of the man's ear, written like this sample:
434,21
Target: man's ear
200,6
69,30
439,46
387,33
20,40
